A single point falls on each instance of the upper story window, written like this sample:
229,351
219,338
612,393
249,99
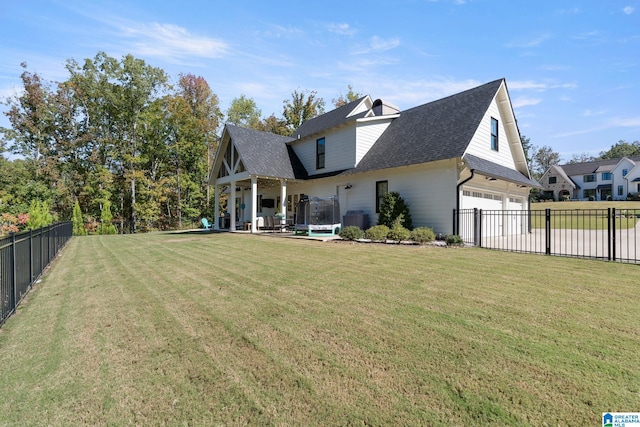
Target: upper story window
624,172
553,180
589,178
606,176
494,134
320,150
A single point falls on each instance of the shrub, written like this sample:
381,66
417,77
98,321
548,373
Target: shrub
39,215
351,232
106,217
423,235
78,222
378,232
392,206
453,239
397,232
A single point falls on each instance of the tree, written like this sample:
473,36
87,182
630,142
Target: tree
274,125
244,112
78,222
301,108
349,97
107,226
39,215
392,208
582,158
542,159
621,149
115,94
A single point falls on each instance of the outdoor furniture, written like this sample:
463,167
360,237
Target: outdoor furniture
206,225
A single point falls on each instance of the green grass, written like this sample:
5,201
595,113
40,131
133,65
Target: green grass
228,329
573,215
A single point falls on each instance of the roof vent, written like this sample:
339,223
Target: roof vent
383,108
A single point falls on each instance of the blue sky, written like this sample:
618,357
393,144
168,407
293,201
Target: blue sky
572,67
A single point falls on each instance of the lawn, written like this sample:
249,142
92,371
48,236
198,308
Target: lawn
230,329
586,215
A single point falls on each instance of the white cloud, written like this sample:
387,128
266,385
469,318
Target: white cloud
379,44
590,113
628,10
168,40
625,122
530,42
523,102
342,29
538,86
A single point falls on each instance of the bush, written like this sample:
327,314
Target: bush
397,232
351,232
392,206
453,239
106,217
39,215
78,222
378,232
423,235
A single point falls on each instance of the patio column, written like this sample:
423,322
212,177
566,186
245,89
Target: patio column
231,207
216,207
254,204
283,198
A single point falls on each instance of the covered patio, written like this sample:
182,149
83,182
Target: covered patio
254,179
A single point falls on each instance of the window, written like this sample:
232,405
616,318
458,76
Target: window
552,180
589,178
620,190
382,188
606,176
590,193
494,134
624,172
320,153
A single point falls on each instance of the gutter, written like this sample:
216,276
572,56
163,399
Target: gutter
456,223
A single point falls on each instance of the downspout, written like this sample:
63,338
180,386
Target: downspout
457,223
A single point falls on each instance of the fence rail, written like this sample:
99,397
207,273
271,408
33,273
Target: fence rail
23,258
606,234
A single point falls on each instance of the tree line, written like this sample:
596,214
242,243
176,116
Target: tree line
118,140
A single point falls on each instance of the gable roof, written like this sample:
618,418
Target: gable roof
265,153
586,168
561,173
330,120
437,130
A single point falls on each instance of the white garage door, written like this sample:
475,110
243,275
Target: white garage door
492,206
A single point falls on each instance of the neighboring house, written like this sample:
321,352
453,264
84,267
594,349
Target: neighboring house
459,152
598,180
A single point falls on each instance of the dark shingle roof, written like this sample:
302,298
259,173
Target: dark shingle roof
438,130
591,167
329,120
487,168
266,154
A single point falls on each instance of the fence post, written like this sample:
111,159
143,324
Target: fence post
612,239
476,226
30,255
14,275
455,222
547,229
609,234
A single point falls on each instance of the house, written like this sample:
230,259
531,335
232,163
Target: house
605,179
460,152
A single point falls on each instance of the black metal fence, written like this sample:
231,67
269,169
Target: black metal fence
607,234
23,258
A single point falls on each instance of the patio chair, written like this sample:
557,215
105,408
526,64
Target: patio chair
206,224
